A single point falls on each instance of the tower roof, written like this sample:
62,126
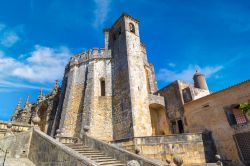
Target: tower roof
198,73
125,15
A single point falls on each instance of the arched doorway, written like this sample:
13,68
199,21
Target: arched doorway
158,119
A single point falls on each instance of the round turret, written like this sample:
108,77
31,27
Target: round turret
200,81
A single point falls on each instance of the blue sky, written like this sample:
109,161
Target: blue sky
37,37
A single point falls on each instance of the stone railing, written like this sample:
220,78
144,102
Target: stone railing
45,150
64,139
91,54
13,127
118,153
191,147
155,99
16,144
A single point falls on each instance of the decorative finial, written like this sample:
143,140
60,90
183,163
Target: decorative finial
17,109
40,97
26,108
41,91
27,101
55,88
57,84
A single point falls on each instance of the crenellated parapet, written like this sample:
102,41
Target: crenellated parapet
91,54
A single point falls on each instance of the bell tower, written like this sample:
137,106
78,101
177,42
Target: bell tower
131,115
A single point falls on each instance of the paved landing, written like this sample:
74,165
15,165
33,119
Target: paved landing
16,162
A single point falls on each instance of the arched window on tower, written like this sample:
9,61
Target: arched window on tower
131,28
102,87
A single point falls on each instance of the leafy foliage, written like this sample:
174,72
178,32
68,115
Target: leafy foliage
245,107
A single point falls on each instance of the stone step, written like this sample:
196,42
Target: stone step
100,160
77,146
114,164
108,162
101,157
90,153
74,145
84,150
94,155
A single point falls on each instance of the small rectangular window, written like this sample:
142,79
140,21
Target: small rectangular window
180,126
236,117
102,88
239,116
174,127
231,118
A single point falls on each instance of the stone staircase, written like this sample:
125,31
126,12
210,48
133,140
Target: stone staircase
95,155
2,132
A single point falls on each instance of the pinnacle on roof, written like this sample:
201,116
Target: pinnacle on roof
18,108
27,101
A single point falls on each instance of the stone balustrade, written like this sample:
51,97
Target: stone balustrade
189,146
13,126
155,99
64,139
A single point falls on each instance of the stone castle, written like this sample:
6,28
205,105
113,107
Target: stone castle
111,94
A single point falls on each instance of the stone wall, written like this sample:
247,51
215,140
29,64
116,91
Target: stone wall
118,153
16,144
190,147
101,106
84,109
208,113
173,100
173,104
44,151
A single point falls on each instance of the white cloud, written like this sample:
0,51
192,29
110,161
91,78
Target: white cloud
7,84
2,26
167,75
44,64
102,8
171,64
9,38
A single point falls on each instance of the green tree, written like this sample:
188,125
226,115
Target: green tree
245,107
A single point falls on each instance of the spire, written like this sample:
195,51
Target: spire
40,97
17,109
26,109
41,92
27,101
55,88
56,84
